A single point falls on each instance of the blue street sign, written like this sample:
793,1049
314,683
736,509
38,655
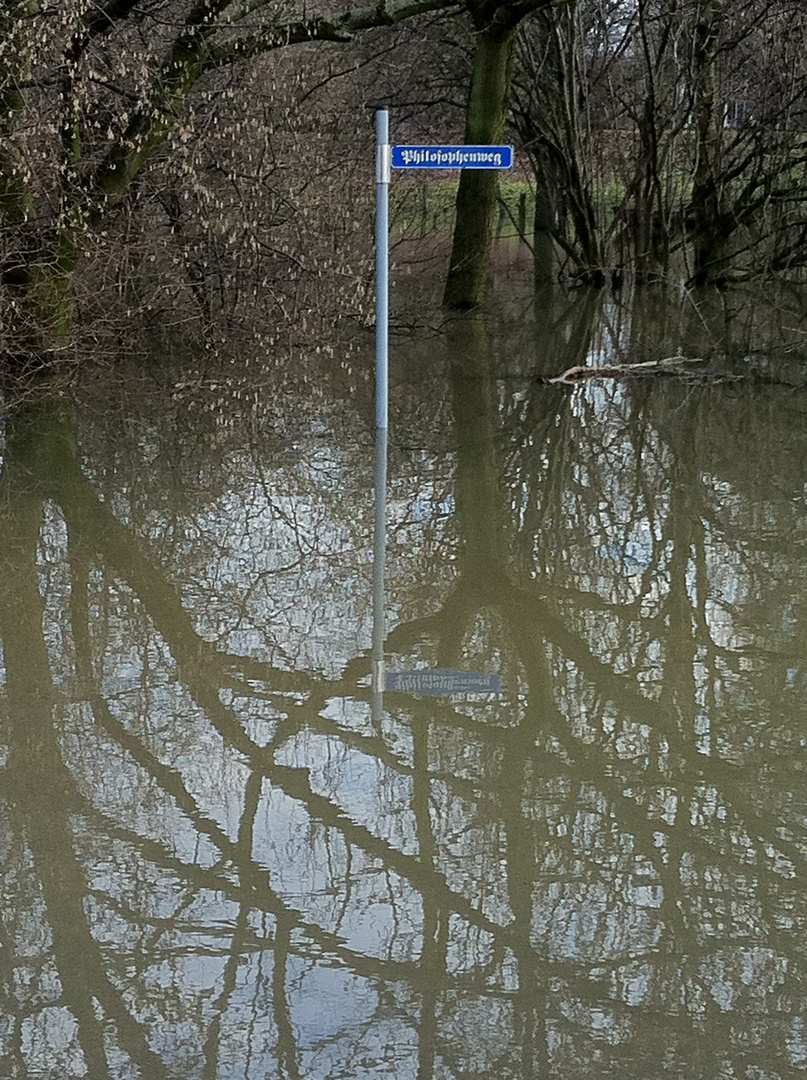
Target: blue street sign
452,157
433,682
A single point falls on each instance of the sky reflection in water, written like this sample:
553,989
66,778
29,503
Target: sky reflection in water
219,860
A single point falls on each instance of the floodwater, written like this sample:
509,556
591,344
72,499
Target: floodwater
228,853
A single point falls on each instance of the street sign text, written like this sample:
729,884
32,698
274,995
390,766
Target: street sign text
452,157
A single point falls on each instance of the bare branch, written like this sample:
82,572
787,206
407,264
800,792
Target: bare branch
340,28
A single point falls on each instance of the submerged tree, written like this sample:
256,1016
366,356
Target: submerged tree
666,138
495,27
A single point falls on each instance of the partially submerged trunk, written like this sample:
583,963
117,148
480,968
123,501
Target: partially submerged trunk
478,191
543,245
495,25
709,228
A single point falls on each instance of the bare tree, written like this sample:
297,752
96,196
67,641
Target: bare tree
90,96
665,139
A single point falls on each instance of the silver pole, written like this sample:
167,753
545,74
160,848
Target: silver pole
379,566
382,181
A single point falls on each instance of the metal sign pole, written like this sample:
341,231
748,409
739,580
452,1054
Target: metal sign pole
379,564
382,181
437,681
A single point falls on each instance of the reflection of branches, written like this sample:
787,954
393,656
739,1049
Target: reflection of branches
294,783
534,623
38,767
200,668
286,1050
11,1059
502,830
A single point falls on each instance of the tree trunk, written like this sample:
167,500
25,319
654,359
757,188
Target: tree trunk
708,230
543,246
479,188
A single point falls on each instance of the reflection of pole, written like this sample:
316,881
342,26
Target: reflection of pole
379,561
382,181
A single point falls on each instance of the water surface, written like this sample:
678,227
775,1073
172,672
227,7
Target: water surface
222,857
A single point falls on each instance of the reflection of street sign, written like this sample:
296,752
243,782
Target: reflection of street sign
437,681
452,157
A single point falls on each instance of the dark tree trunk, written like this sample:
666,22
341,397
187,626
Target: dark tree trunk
479,188
708,229
543,246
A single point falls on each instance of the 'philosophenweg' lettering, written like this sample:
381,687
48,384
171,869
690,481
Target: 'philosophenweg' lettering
449,157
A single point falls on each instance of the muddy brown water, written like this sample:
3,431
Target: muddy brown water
221,858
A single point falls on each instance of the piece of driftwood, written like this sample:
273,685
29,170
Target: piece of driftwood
671,365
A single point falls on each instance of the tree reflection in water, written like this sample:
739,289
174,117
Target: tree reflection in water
217,862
